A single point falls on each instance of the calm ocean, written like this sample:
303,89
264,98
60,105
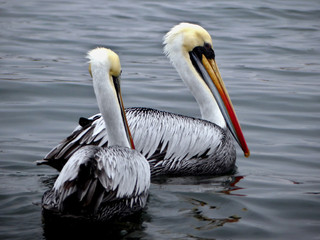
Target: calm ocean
268,54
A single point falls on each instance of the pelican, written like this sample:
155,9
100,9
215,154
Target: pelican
175,144
103,183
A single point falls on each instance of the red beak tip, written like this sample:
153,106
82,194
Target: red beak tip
247,154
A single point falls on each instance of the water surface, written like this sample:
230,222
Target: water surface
268,55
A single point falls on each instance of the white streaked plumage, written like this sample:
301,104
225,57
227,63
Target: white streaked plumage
103,183
117,186
175,144
116,170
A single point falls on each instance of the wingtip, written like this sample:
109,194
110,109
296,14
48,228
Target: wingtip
41,162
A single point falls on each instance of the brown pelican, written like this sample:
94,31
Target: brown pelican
103,183
175,144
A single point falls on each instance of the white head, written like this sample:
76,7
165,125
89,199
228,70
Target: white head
105,69
106,59
189,48
184,37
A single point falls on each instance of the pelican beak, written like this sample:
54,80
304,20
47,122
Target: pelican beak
211,75
116,81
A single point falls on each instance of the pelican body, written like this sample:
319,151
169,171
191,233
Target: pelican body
103,183
174,144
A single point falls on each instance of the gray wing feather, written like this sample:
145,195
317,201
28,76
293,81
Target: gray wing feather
180,137
123,173
159,136
118,169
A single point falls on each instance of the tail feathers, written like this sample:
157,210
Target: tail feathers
42,162
55,163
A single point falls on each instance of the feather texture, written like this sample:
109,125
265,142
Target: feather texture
100,183
172,143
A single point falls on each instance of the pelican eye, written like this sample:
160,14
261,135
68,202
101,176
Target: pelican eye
205,50
197,54
208,51
207,46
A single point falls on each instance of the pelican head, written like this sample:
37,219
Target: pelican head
189,48
105,70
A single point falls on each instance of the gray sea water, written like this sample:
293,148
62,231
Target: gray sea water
268,54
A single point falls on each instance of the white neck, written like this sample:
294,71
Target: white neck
209,108
109,105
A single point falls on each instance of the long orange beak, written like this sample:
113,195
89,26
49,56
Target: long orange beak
123,113
126,122
225,103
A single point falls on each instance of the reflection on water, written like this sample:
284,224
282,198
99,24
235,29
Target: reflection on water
209,223
62,228
268,55
55,226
